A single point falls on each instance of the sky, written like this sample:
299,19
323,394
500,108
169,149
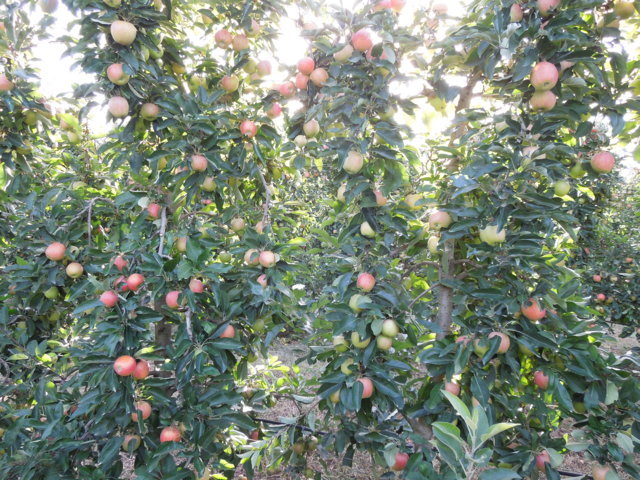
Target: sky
58,76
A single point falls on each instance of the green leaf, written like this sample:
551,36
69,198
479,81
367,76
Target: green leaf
497,428
499,474
461,408
449,435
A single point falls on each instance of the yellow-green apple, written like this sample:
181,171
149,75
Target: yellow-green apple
335,396
432,244
390,328
55,251
366,230
123,32
240,42
340,343
208,184
561,188
51,293
412,200
181,244
354,162
357,301
623,10
131,443
124,365
74,270
384,343
48,6
311,128
577,171
345,366
341,191
237,224
344,54
357,342
492,236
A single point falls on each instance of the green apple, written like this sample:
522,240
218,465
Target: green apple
340,343
52,293
355,339
344,368
383,343
390,328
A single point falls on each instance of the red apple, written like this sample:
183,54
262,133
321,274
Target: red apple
452,388
248,128
267,259
262,280
5,83
171,299
237,224
544,76
382,5
319,77
196,286
600,471
439,219
306,65
229,83
597,278
74,270
505,342
381,200
134,281
401,461
274,111
141,371
542,459
144,408
302,81
287,89
240,42
263,68
540,379
361,40
153,209
149,111
531,309
118,107
116,74
397,5
109,298
543,100
123,33
515,14
601,297
366,282
603,162
170,434
228,332
120,262
124,365
55,251
223,38
367,385
545,7
199,163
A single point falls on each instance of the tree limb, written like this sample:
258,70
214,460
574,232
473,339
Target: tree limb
267,195
421,295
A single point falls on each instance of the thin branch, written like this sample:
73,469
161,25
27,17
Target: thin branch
422,295
163,230
89,208
82,212
187,316
421,264
267,195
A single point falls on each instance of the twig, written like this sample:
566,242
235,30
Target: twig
163,230
82,212
89,208
187,317
267,195
422,295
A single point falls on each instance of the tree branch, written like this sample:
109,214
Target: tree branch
163,231
420,428
187,316
267,195
421,295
